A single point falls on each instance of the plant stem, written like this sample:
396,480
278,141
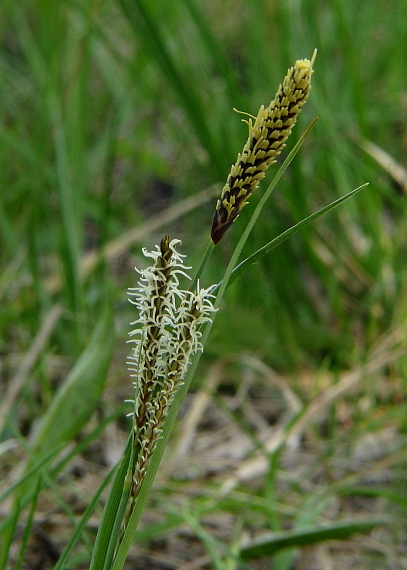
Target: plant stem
201,267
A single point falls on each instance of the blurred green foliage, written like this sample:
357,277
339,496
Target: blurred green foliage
110,112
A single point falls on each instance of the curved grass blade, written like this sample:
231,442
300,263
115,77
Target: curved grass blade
95,499
34,469
214,49
149,31
69,411
28,524
62,561
271,543
398,498
29,481
245,264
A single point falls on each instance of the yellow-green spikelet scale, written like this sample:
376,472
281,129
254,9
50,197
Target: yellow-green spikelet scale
267,138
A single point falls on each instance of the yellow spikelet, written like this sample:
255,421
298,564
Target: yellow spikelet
267,138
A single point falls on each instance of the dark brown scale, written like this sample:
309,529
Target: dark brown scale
234,210
226,195
220,225
220,216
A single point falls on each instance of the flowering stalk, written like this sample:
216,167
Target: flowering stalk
167,336
167,332
267,138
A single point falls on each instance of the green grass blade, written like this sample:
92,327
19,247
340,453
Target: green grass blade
225,70
109,529
32,480
245,264
272,543
80,393
29,474
28,525
397,498
63,559
69,206
148,30
7,532
202,265
84,442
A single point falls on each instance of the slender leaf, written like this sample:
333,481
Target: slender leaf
149,31
108,533
80,393
63,559
239,269
271,543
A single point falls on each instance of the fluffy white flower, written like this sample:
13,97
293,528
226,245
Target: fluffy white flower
165,337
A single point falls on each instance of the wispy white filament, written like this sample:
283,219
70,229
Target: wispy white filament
165,336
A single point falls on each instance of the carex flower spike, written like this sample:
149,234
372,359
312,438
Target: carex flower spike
267,138
166,335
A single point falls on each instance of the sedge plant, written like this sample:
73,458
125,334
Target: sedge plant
173,323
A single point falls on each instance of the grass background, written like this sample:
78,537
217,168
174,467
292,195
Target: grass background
116,129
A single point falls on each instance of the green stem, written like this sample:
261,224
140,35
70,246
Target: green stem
130,532
201,267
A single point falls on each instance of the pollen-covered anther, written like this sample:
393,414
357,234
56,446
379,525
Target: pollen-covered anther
267,138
